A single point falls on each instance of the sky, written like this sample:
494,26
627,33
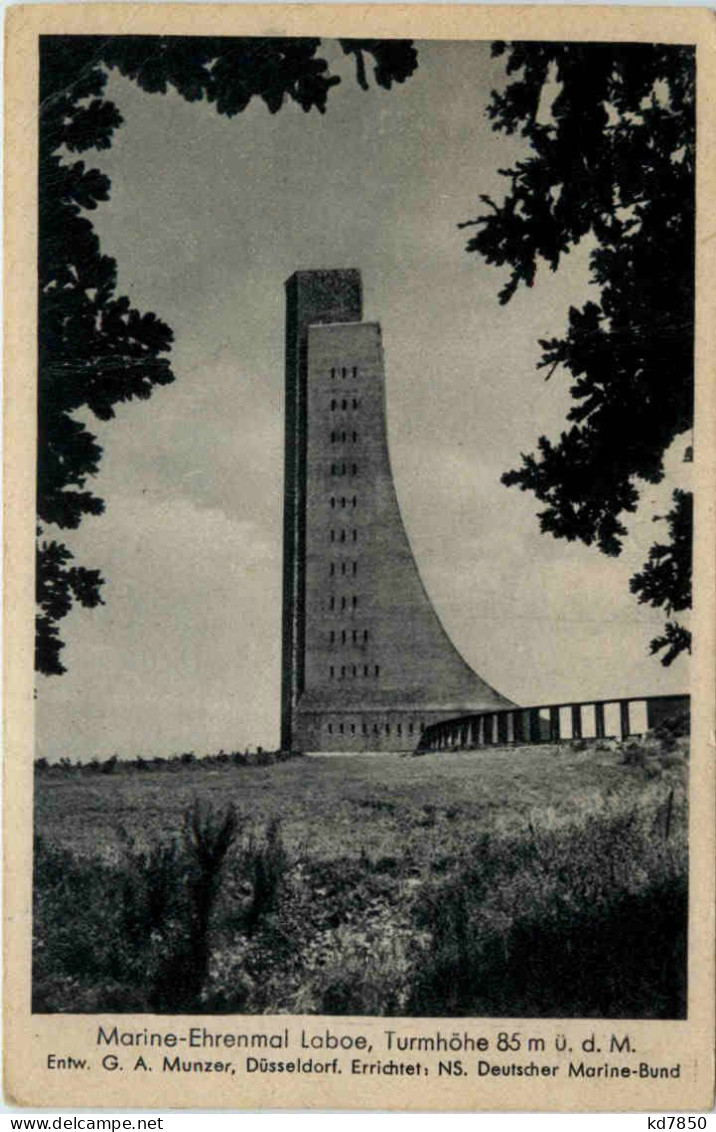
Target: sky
207,219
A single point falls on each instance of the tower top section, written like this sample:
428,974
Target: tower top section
329,275
324,296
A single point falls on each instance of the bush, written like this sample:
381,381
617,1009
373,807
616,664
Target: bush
655,752
147,950
207,838
365,977
82,959
264,863
584,921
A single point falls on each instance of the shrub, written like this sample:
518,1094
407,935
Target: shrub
674,726
364,977
265,863
654,753
81,960
207,838
583,921
152,883
147,950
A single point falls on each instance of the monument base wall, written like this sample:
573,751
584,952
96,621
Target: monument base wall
364,729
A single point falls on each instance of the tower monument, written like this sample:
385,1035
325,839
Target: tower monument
366,663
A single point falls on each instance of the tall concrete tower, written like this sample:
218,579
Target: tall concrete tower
366,662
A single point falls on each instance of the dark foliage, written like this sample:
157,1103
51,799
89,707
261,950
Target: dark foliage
95,350
57,586
591,940
612,160
266,864
625,959
207,838
139,929
665,580
74,944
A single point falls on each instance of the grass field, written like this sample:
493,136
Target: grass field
345,806
446,884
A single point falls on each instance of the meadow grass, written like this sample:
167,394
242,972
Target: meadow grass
339,806
526,881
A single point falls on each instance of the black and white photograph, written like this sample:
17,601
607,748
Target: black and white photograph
364,540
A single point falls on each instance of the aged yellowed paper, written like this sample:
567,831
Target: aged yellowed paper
336,781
